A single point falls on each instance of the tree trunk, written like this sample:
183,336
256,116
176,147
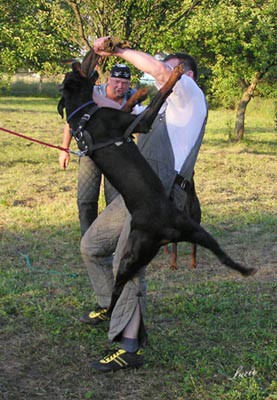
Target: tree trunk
40,84
246,97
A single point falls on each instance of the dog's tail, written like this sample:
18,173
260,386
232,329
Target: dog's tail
194,233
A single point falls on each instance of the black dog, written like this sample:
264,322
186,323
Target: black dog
155,220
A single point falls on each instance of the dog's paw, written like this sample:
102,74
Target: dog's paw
142,94
179,70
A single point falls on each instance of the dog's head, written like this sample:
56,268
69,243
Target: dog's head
74,84
78,85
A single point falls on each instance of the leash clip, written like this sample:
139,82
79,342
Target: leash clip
79,153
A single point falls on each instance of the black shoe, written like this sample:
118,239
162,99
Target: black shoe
95,317
119,359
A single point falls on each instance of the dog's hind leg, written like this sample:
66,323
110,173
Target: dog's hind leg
193,256
173,257
139,251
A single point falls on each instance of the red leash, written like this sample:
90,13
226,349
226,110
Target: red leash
78,153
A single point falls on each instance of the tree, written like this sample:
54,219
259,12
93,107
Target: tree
38,34
34,36
237,40
139,21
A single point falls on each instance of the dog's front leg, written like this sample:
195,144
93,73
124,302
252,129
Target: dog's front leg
159,99
137,97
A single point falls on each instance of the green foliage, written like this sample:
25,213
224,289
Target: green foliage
35,36
236,40
233,40
140,22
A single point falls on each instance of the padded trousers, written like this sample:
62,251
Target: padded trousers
101,248
89,182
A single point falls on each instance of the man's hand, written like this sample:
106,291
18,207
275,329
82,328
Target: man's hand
103,47
64,159
107,45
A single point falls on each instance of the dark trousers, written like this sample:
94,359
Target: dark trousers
89,182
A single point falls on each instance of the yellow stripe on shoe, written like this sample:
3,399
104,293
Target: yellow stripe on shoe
99,314
119,359
94,317
113,357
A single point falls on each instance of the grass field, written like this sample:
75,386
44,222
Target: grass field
212,334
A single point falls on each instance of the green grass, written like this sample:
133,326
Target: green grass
212,334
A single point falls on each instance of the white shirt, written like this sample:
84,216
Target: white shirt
186,111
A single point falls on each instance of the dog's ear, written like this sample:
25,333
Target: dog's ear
89,63
61,107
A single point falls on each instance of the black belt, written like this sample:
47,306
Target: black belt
182,182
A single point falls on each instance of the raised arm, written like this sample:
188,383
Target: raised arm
142,61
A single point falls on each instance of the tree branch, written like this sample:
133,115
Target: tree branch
194,3
75,7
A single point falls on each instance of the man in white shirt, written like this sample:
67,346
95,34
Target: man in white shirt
171,149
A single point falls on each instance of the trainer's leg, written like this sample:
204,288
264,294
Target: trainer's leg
128,300
97,247
132,301
89,180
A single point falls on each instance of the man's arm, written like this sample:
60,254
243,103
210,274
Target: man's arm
64,156
143,61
